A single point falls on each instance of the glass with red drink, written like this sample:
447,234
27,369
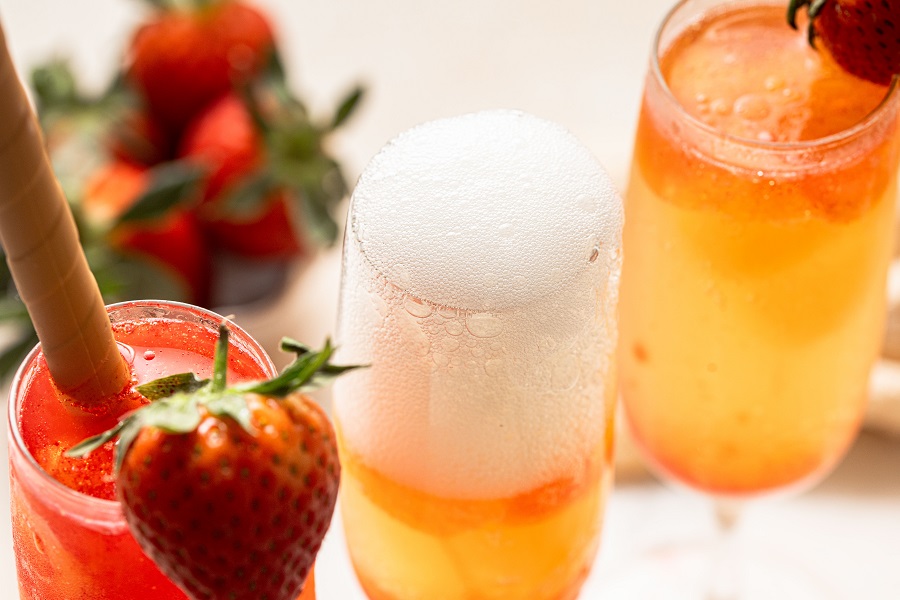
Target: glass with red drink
71,540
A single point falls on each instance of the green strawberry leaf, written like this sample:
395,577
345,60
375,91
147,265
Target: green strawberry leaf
177,399
327,371
295,375
347,107
55,87
317,212
320,186
245,199
88,445
293,146
175,414
234,406
129,430
309,371
171,184
173,384
292,345
273,77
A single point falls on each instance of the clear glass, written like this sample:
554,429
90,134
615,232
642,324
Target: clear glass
476,448
753,289
71,545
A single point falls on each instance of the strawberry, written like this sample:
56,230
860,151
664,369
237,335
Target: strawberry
185,58
225,140
863,36
146,218
270,185
230,490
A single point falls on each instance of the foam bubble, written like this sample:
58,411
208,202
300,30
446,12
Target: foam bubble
480,281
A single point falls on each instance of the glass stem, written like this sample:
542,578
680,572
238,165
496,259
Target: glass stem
725,568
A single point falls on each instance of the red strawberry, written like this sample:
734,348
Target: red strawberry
265,182
230,490
185,58
147,219
270,231
863,36
226,141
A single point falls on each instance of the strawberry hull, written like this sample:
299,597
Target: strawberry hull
71,546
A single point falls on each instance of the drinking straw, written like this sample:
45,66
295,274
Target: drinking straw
46,259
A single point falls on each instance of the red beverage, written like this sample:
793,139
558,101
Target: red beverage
70,537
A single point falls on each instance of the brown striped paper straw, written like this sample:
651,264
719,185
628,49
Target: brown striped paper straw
46,259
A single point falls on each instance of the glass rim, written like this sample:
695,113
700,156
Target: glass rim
103,508
844,135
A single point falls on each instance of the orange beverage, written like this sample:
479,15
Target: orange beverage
70,536
759,227
538,544
476,447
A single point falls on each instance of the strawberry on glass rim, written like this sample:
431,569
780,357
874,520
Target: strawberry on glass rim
863,36
229,489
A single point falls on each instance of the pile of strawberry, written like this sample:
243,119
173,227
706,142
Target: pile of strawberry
197,165
201,155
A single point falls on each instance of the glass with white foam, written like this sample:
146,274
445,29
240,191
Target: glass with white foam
480,283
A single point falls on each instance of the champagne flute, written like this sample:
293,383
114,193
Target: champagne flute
480,282
760,212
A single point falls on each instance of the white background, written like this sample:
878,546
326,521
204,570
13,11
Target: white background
578,62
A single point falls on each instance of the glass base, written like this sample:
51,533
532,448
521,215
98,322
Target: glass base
685,572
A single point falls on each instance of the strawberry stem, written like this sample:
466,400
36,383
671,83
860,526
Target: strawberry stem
220,359
176,399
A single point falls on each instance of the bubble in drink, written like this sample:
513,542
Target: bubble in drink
497,231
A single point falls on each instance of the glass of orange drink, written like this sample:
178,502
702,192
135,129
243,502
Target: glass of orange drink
760,212
480,282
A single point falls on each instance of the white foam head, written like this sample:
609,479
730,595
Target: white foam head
480,281
484,211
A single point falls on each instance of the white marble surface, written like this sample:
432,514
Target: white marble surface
578,62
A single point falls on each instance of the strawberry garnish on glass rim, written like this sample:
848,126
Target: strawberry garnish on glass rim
230,489
863,36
